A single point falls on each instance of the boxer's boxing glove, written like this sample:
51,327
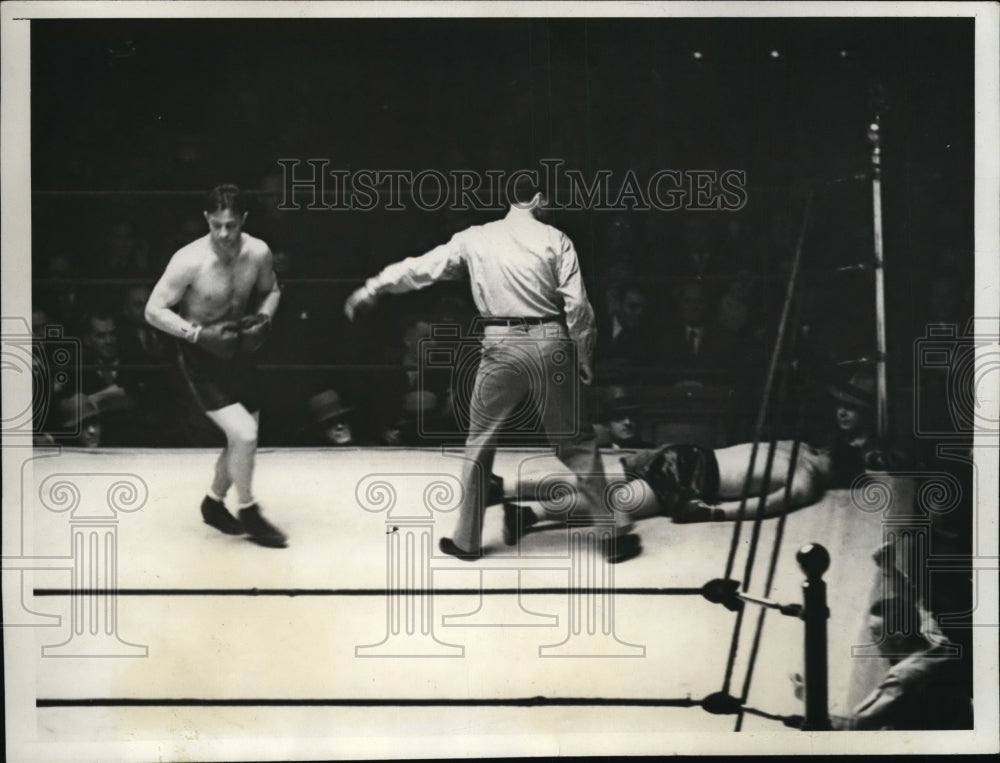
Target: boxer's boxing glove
253,331
220,339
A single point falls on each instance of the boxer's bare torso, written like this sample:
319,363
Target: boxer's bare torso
218,288
734,462
205,283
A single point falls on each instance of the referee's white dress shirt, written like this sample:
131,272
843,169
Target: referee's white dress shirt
519,267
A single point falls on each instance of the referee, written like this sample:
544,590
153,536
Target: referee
526,283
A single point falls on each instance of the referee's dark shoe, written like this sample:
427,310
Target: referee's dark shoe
260,530
448,546
214,513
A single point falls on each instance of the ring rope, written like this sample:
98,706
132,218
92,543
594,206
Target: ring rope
762,417
779,535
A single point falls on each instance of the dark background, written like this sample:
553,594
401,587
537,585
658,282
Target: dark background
133,120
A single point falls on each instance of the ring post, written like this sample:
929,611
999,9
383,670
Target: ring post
814,561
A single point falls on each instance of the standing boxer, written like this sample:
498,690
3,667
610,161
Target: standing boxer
202,299
526,283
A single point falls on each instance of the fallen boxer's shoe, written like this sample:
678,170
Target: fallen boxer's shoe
494,491
214,513
622,548
260,530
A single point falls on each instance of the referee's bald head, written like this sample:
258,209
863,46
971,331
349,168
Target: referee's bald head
524,188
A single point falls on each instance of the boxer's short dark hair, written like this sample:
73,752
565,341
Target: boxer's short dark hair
225,197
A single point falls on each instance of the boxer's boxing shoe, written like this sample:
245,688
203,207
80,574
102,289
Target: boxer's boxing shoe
260,530
447,545
516,520
214,513
622,548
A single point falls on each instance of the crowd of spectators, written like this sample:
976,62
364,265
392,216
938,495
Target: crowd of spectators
701,319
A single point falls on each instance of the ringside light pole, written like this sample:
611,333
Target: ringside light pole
882,412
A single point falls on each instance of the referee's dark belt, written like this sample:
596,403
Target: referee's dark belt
532,321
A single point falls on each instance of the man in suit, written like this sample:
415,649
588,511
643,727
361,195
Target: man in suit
626,346
690,341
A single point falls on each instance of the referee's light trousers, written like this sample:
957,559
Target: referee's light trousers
529,374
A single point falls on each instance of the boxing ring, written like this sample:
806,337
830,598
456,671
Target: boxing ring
148,624
144,624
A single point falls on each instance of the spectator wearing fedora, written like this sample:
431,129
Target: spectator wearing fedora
622,418
854,447
329,420
80,414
